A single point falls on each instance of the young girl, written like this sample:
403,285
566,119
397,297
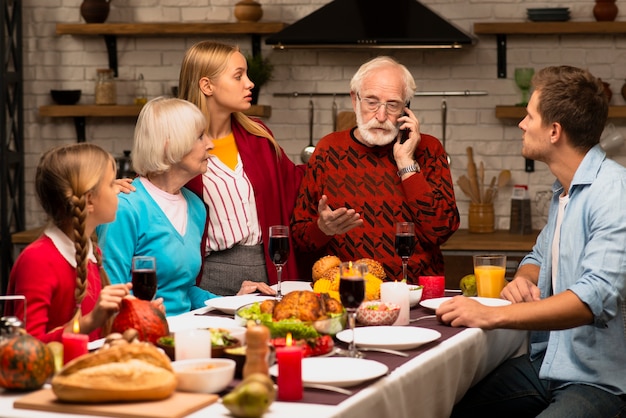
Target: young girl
61,273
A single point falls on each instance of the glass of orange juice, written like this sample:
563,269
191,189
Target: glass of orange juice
489,271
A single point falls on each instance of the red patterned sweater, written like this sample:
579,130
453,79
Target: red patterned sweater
363,178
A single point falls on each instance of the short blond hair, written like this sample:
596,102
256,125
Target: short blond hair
166,131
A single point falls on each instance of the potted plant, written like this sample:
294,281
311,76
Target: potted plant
260,72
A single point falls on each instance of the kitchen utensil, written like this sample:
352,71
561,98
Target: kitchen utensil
481,182
444,117
503,178
423,317
327,387
465,185
490,191
308,150
384,350
473,175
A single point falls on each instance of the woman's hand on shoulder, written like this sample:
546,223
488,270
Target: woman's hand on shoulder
125,185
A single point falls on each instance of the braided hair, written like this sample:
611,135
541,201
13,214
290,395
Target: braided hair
65,175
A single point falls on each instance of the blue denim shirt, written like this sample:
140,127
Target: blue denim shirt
592,264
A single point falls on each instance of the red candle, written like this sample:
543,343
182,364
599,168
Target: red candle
74,344
289,379
434,286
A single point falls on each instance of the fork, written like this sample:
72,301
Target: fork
384,350
327,387
422,317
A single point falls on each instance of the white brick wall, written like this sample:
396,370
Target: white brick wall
52,61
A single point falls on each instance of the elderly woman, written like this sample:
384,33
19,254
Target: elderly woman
161,218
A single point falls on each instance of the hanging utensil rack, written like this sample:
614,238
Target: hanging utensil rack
417,94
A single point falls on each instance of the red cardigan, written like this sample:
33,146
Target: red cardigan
275,181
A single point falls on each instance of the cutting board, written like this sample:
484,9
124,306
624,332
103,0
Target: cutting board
178,405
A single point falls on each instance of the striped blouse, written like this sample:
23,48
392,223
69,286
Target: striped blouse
231,206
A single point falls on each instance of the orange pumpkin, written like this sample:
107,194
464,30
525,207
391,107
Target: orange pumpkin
25,363
143,316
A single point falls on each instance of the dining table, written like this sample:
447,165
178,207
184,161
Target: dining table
425,383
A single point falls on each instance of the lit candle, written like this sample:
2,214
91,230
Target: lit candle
289,379
74,344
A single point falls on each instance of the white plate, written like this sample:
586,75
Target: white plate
95,344
229,304
338,371
435,302
286,287
190,321
394,338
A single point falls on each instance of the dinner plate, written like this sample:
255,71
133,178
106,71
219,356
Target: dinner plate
338,371
229,304
435,302
394,338
286,287
187,321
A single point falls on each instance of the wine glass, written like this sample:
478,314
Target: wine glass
405,244
144,277
279,251
352,293
523,77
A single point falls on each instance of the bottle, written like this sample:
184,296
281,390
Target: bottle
106,93
521,221
141,94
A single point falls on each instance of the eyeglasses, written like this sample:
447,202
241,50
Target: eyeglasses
393,107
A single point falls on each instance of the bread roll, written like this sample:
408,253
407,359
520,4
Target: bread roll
374,267
323,264
130,372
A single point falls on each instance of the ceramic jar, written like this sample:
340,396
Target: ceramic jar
605,10
481,218
95,11
607,90
624,91
248,11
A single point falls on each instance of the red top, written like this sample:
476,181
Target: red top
364,178
47,280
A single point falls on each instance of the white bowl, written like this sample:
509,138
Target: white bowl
238,332
204,375
415,294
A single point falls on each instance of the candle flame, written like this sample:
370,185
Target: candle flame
76,327
288,340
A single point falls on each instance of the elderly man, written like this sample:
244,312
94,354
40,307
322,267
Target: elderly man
361,182
570,289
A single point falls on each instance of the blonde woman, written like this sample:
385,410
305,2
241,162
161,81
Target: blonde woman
250,183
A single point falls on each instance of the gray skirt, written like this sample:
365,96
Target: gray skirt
224,271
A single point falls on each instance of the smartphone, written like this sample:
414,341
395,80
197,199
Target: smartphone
403,134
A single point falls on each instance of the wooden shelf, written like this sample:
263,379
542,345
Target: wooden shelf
549,28
169,29
502,29
519,112
80,112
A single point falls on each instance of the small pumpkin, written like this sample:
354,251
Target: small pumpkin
143,316
25,363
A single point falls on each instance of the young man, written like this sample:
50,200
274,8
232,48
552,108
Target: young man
570,289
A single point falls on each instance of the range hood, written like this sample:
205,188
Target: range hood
349,24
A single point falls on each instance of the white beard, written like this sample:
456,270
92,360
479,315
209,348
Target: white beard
376,137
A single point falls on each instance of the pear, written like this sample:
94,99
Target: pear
468,285
251,398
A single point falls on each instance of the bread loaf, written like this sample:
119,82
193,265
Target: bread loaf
130,372
322,265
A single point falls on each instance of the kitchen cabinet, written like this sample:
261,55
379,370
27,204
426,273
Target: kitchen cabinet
502,29
463,245
110,32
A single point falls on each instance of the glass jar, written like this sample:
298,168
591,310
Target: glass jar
141,93
105,87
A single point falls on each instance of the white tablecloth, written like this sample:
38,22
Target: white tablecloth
429,384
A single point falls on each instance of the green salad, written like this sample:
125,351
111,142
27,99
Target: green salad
297,328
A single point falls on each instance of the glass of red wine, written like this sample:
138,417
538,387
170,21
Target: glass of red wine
279,251
144,277
405,244
352,293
